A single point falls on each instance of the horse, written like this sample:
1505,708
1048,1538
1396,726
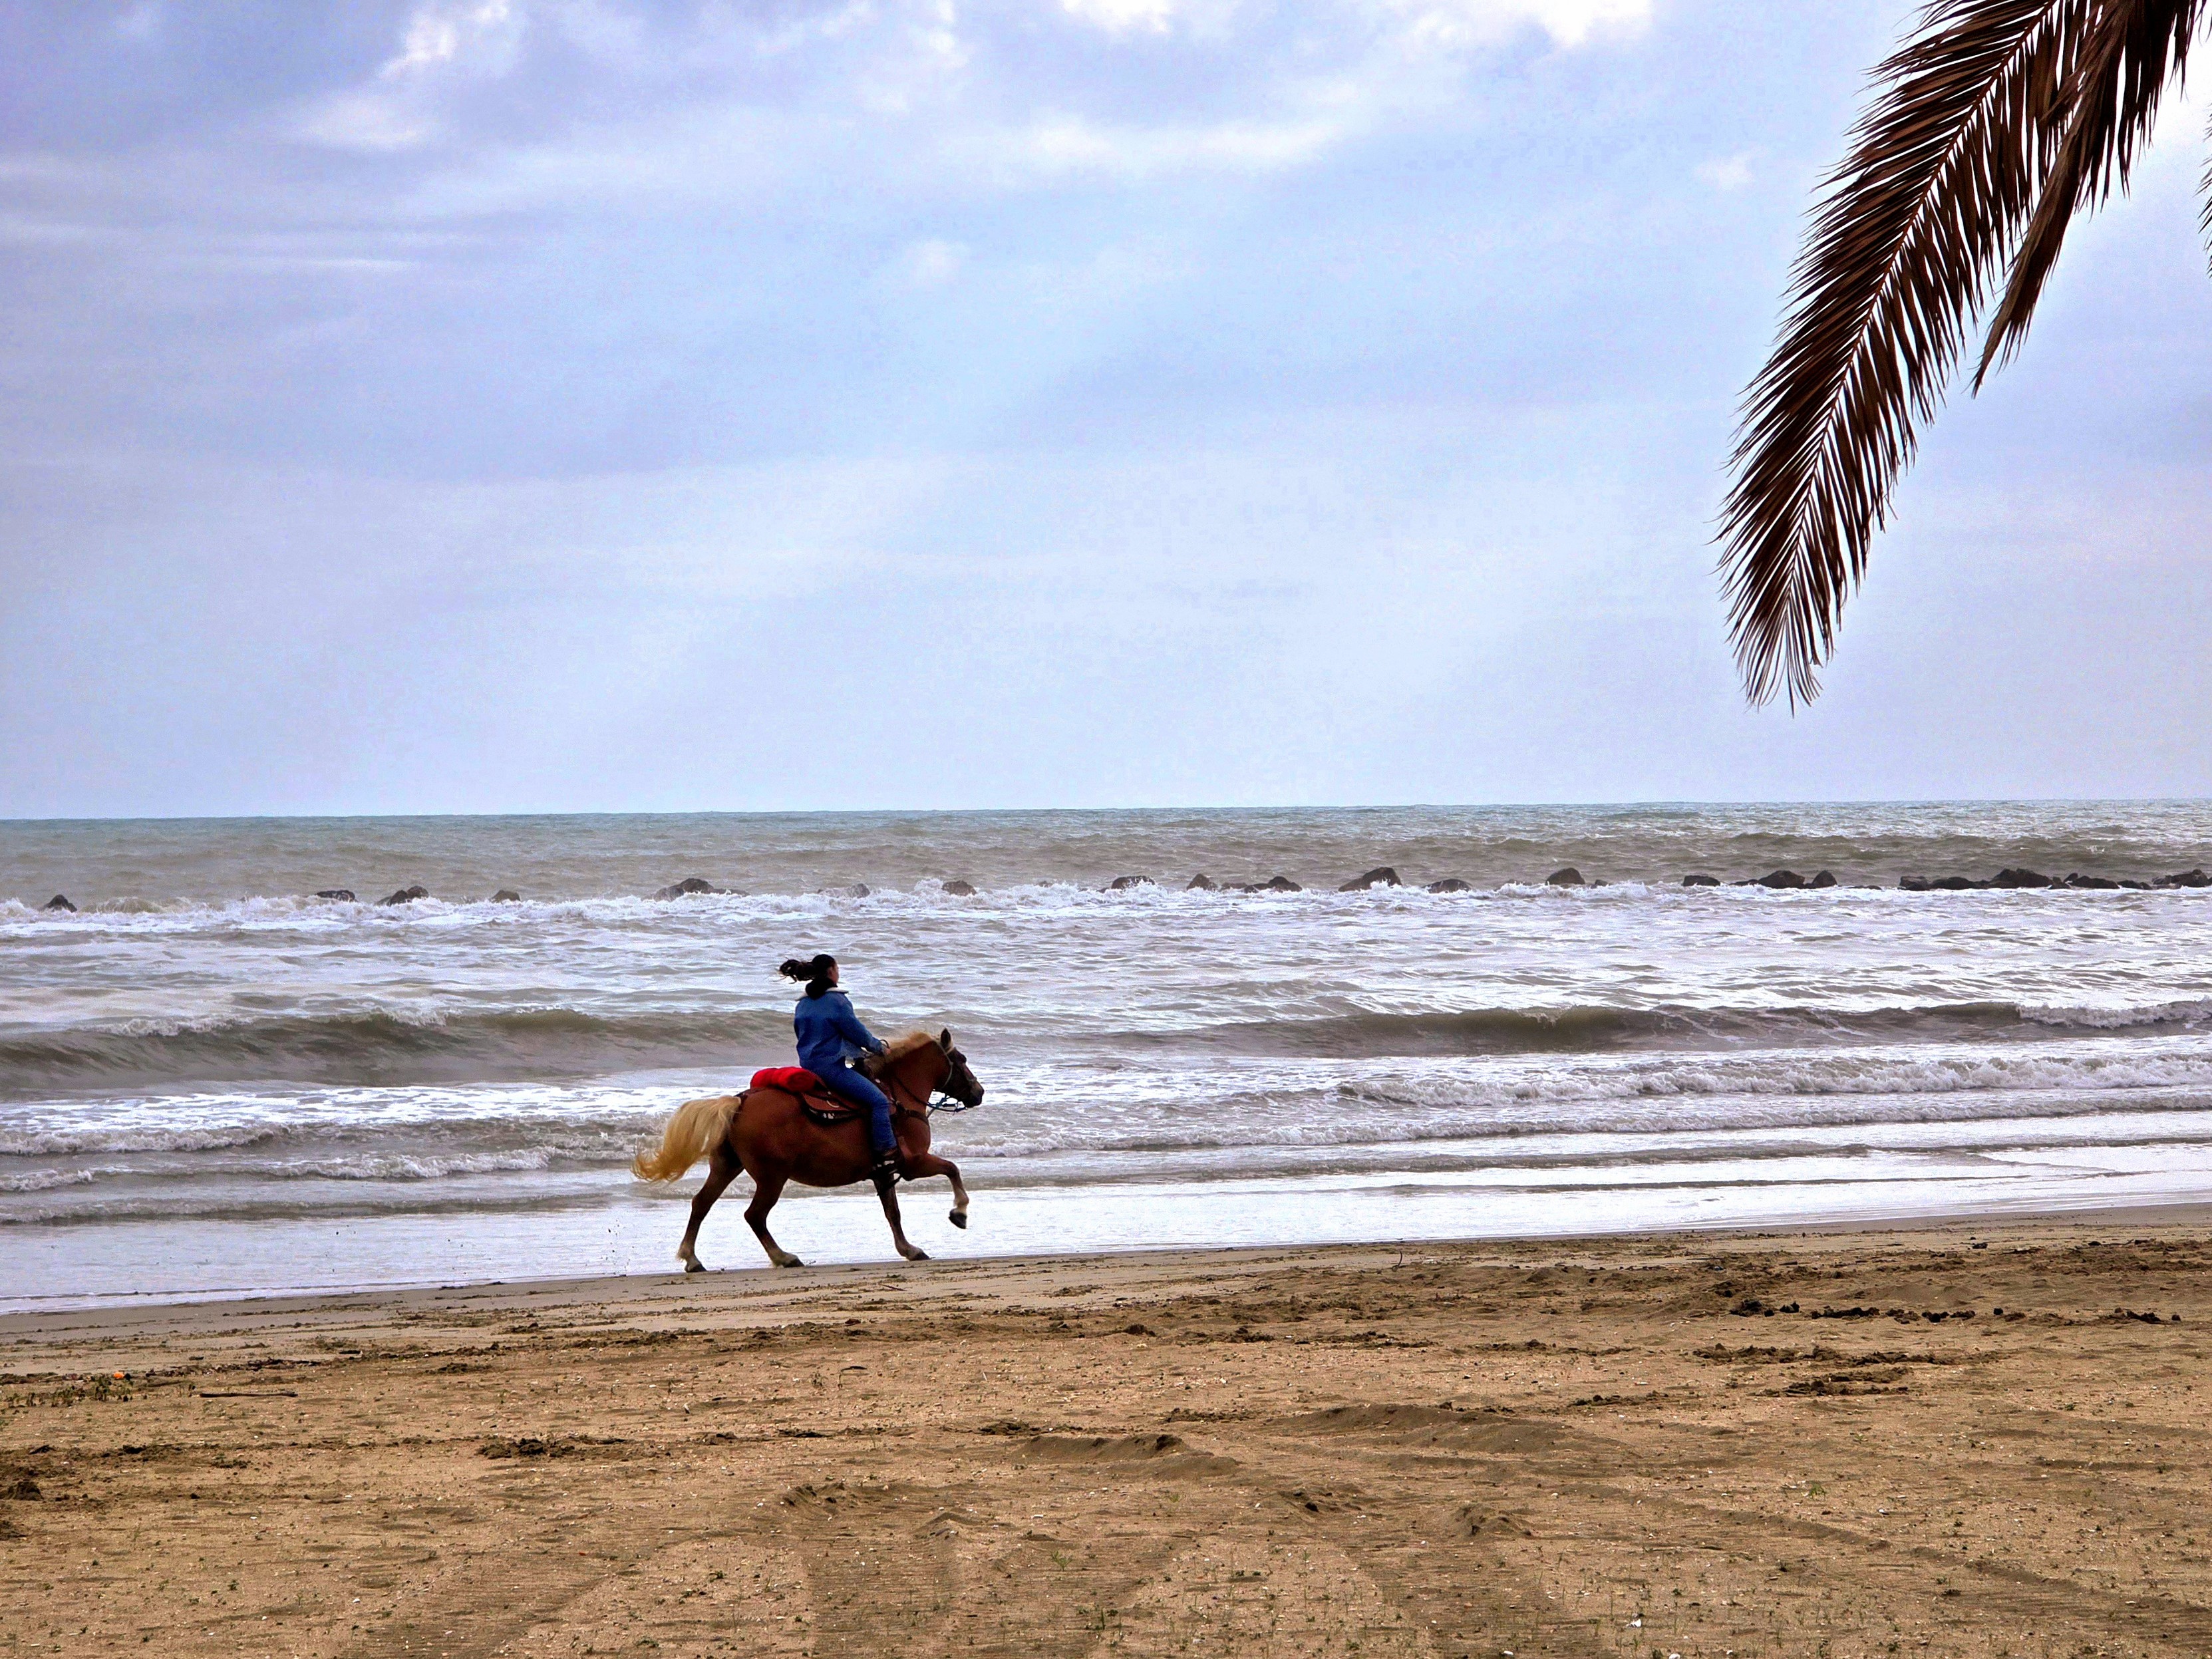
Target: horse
767,1133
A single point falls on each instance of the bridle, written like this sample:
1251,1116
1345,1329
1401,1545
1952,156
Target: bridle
940,1097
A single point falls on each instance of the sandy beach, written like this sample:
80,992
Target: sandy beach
1820,1444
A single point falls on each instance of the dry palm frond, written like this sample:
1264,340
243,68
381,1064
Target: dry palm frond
2000,120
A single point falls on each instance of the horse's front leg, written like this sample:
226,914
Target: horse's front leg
930,1164
886,1189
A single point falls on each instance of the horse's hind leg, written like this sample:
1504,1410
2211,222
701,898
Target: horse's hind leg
720,1172
930,1164
767,1188
887,1192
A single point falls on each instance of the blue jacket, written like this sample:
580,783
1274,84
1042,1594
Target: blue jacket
830,1032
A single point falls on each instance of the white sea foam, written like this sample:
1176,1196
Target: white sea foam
1251,1105
2186,1010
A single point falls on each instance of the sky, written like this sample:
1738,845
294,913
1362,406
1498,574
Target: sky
529,405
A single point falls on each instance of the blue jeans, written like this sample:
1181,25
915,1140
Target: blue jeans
844,1080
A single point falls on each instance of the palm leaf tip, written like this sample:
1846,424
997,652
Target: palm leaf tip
2129,57
1993,123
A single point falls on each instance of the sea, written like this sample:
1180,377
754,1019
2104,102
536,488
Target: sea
214,1082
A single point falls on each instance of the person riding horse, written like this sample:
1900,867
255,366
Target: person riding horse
830,1035
768,1132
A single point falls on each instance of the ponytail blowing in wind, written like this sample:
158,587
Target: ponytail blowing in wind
815,972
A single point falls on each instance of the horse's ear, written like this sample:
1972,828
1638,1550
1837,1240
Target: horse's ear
945,1039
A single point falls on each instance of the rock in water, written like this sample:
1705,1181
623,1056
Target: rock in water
1283,885
1380,876
1200,882
1568,877
2188,878
1123,884
1826,878
960,889
1954,885
2092,883
1912,884
2010,879
686,887
405,896
507,895
58,902
1779,880
858,889
342,895
1701,881
1450,885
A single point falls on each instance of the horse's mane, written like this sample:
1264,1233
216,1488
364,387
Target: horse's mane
900,1046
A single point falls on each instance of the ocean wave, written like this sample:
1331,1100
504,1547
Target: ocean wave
257,1136
46,1180
111,1135
250,1202
1649,1098
141,915
380,1047
59,1154
427,1043
2187,1012
307,915
423,1181
1073,1109
1591,1030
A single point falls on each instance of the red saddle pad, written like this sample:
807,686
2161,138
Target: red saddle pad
795,1078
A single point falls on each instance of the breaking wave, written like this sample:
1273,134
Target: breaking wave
1591,1029
387,1047
381,1047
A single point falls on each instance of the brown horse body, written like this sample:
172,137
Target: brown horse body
766,1133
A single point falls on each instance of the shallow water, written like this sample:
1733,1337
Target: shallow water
211,1083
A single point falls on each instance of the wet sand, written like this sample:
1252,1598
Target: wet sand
1729,1446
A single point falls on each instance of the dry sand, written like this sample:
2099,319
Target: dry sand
1602,1448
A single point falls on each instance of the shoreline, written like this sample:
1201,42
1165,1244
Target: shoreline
758,1280
1979,1439
860,1242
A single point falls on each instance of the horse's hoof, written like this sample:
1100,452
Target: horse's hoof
791,1262
960,1219
694,1266
917,1255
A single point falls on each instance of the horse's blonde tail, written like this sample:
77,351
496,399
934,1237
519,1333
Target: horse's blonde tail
691,1134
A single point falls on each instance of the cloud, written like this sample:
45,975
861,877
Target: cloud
1064,144
751,97
1459,25
364,121
1123,17
438,35
939,36
140,24
1727,172
1448,23
932,264
399,110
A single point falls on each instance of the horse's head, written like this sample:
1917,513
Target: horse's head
959,1082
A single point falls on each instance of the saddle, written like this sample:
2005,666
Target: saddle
812,1094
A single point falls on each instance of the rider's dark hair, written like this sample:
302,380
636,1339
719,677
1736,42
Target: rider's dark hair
815,973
